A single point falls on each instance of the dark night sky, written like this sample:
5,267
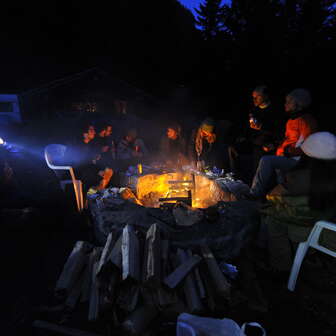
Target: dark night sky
191,4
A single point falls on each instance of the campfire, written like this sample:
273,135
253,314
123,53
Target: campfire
147,268
159,190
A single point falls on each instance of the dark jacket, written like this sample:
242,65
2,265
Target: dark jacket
172,149
208,153
272,126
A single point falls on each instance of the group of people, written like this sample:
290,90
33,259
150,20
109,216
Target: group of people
295,176
271,148
97,154
200,151
294,165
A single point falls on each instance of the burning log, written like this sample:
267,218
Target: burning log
130,254
152,259
189,287
138,321
181,181
73,266
187,200
173,279
222,286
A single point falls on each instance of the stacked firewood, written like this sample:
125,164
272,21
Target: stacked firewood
134,277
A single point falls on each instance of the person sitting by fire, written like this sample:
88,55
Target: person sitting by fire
87,151
131,147
299,126
106,145
260,136
201,148
88,157
173,146
97,179
110,141
266,124
307,195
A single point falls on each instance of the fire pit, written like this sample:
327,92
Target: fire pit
157,190
145,198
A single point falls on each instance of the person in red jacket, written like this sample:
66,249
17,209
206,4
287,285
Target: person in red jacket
299,126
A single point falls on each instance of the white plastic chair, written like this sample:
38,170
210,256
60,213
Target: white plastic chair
312,241
57,150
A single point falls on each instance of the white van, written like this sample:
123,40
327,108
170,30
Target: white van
10,111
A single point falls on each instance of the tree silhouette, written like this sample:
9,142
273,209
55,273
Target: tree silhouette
209,18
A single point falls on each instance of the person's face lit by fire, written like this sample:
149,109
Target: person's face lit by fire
209,136
86,137
171,133
102,133
130,138
258,98
108,130
91,132
290,104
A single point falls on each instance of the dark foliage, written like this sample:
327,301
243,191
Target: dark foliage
156,46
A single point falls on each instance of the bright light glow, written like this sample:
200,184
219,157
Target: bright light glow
2,141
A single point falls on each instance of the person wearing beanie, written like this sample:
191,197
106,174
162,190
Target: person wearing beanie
201,147
298,127
173,146
307,194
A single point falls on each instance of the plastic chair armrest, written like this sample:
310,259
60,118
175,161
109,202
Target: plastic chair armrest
60,167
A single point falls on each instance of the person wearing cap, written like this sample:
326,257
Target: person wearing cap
173,145
201,149
307,194
299,126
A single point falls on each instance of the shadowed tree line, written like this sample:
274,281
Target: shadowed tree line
158,45
277,41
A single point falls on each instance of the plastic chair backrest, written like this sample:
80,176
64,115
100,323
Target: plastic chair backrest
312,241
53,152
314,236
184,329
57,151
